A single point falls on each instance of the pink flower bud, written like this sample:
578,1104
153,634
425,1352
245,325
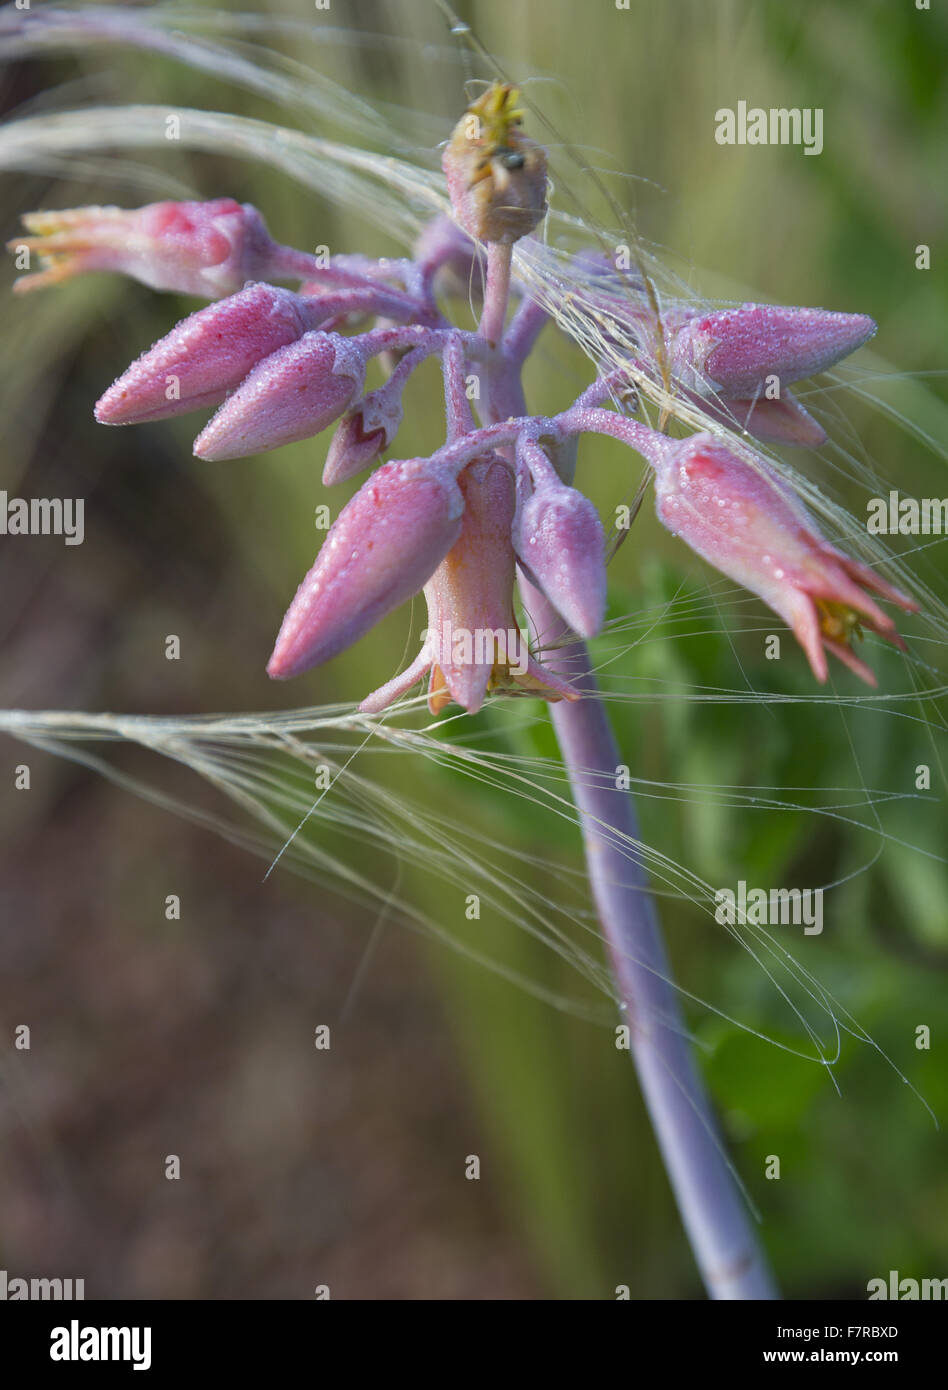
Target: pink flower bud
748,524
206,355
496,177
473,642
370,426
736,350
208,249
291,395
352,448
562,546
384,545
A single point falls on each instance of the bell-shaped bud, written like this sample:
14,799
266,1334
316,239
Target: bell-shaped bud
496,176
206,355
383,547
738,352
473,642
560,542
208,249
748,524
291,395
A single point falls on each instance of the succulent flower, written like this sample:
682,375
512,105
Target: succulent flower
560,543
208,249
735,351
778,420
747,523
352,447
291,394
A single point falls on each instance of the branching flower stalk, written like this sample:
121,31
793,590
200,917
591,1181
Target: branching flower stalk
497,505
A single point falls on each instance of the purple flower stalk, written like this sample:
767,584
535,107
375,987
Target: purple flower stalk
500,494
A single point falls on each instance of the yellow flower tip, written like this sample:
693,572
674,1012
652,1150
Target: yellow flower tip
439,696
53,273
498,113
49,220
839,622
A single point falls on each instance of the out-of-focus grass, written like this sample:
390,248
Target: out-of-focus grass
861,1189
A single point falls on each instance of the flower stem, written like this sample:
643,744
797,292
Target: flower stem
711,1206
496,291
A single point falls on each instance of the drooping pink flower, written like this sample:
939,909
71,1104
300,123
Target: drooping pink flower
207,249
207,354
292,394
384,545
473,643
751,527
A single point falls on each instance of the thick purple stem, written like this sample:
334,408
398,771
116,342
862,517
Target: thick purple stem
712,1209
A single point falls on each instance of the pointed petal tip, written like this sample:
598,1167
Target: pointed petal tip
585,622
208,449
862,328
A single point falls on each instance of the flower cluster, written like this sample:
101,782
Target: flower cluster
277,365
